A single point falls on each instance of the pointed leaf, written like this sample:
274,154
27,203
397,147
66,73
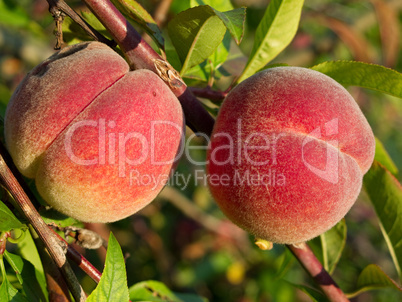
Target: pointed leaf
113,283
25,272
275,31
234,21
135,12
385,193
7,219
333,243
16,263
9,294
382,156
196,33
372,277
365,75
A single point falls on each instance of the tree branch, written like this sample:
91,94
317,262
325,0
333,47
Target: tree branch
55,247
140,55
60,5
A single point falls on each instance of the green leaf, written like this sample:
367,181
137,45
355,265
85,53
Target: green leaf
16,263
382,156
234,21
25,272
7,219
372,277
155,291
135,12
333,243
51,216
196,33
385,193
365,75
113,283
220,5
9,294
275,31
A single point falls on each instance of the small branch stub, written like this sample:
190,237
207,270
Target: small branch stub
58,17
168,74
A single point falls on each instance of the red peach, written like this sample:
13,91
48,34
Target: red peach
288,153
100,141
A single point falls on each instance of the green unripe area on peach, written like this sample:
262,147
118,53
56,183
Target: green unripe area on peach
288,153
99,140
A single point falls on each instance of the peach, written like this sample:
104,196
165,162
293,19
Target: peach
288,153
99,140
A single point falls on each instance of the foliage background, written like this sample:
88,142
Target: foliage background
173,239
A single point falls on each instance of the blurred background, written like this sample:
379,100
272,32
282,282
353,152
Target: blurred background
182,238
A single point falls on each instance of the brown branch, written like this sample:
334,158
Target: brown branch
60,5
209,93
140,55
55,247
81,261
315,269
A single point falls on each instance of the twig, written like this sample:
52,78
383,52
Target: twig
140,55
209,93
60,5
54,246
315,269
81,261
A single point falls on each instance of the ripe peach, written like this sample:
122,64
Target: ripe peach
99,140
287,154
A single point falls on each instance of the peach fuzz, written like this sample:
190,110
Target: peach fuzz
100,141
288,153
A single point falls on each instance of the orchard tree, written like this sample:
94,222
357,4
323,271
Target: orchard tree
269,111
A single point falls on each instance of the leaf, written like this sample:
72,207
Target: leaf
365,75
196,33
155,291
372,277
220,5
16,263
275,31
9,294
234,21
57,218
7,219
113,283
385,193
333,243
135,12
382,156
25,272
